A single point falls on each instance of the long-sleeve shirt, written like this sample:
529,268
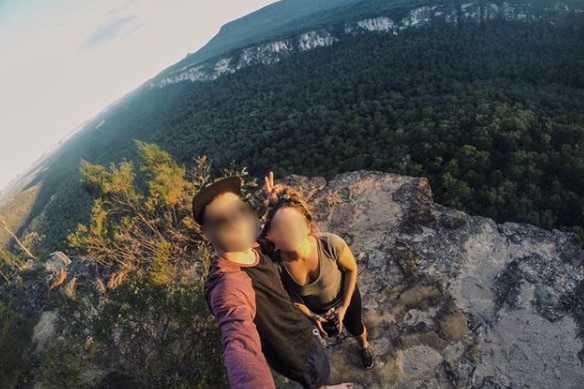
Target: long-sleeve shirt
232,300
258,322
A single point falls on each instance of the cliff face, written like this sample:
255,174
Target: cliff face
273,51
450,300
453,300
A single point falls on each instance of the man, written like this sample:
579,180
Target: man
258,322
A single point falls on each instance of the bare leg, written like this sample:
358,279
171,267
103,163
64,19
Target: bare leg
362,339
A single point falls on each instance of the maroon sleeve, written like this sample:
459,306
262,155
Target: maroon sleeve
232,300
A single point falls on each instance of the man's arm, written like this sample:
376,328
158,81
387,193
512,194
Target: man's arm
232,301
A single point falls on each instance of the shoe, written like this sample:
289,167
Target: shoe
367,359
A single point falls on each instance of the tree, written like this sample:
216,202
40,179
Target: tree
19,243
151,322
142,221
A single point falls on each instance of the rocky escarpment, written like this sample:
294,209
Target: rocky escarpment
273,51
450,300
453,300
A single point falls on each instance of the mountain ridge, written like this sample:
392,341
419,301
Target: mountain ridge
268,52
254,26
342,107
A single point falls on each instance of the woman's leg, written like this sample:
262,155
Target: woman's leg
362,339
353,321
354,324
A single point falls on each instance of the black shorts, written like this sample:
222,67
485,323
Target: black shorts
317,370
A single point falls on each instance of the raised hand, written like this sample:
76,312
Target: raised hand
272,190
269,183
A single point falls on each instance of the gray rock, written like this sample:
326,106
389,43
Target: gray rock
453,300
450,300
57,262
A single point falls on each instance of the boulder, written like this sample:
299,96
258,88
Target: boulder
57,262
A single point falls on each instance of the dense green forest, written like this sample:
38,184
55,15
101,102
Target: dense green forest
492,114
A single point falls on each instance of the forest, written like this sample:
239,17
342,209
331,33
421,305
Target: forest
492,114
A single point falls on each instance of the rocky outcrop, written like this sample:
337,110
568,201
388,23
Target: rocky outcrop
57,262
264,54
452,300
448,13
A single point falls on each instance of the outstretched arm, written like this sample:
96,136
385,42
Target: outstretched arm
232,301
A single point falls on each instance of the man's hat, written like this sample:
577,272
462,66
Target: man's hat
205,195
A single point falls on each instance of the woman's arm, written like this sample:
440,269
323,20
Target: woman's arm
349,265
316,318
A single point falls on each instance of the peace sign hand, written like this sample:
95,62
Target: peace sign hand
269,182
272,190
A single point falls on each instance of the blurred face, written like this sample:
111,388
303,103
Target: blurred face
230,224
288,229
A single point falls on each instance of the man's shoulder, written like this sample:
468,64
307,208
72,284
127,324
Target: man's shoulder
268,262
222,266
263,256
223,274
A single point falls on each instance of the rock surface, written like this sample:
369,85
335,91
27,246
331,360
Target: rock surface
57,262
452,300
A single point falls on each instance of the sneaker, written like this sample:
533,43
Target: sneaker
367,359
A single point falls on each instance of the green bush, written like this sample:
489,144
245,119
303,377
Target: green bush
15,345
148,319
160,336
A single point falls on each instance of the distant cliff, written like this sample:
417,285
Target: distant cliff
451,300
273,51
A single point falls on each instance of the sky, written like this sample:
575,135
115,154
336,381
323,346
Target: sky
63,61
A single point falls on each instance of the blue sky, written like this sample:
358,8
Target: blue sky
62,61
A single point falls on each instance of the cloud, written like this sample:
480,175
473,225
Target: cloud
114,28
116,10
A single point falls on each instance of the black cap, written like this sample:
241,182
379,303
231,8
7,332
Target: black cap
205,195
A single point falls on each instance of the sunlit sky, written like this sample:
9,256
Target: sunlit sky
62,61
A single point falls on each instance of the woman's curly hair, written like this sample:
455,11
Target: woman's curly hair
285,197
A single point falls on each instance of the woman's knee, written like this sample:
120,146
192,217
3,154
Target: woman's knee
354,328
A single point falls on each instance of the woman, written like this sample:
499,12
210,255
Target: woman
318,270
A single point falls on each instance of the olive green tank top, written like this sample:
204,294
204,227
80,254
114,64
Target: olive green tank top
326,291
